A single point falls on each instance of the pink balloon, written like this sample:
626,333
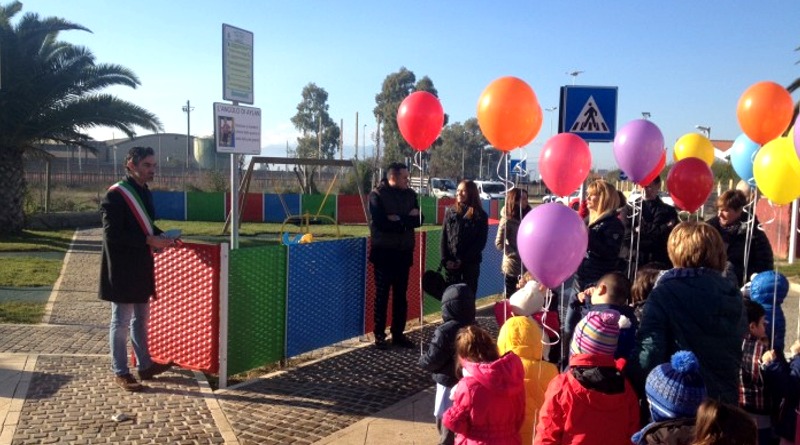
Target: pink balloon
552,242
420,119
796,136
564,163
637,148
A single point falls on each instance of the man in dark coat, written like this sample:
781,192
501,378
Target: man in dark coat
126,277
394,215
657,220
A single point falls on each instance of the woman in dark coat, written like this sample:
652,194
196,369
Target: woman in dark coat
606,233
464,233
731,223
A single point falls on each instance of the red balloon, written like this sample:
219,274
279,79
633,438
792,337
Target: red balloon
689,183
420,119
656,171
564,163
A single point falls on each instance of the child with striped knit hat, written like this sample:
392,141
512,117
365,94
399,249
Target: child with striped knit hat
591,402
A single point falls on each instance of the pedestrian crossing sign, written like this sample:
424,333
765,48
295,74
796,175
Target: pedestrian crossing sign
589,112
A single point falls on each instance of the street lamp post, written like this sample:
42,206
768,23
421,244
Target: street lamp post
364,138
705,129
188,110
550,111
575,74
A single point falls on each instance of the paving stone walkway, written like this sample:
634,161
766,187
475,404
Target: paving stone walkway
56,385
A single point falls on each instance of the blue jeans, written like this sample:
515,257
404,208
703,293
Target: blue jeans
123,316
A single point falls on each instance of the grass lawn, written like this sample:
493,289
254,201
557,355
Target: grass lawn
29,272
21,312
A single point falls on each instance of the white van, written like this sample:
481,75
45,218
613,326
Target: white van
491,189
442,188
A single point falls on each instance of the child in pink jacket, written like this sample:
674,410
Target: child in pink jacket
489,400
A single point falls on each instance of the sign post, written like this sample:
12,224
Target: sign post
589,112
237,129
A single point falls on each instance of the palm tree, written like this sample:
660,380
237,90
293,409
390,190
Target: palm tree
50,92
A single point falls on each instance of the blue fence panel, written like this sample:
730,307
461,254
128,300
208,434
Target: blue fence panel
487,206
170,205
279,206
326,293
491,280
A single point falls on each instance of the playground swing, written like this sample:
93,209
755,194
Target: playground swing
305,220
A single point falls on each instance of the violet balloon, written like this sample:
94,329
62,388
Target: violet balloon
638,147
552,241
796,136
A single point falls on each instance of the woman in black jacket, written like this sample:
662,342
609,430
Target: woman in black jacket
731,222
464,233
606,232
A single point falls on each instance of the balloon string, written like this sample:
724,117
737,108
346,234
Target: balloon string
418,165
548,299
750,211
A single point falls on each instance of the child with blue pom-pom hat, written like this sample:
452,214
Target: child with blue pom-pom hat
769,289
674,390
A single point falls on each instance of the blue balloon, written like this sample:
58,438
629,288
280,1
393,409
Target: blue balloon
743,151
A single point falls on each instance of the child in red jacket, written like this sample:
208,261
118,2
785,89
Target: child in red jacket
591,402
489,400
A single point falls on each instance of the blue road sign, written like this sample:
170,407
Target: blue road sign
589,112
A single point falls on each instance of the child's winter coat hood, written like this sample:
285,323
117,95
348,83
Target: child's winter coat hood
503,375
458,304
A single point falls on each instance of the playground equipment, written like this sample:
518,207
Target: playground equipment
306,219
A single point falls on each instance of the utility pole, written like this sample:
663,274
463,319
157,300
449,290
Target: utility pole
188,110
356,134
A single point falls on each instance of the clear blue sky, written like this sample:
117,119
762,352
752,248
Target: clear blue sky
685,62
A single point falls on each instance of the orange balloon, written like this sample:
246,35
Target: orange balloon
765,111
509,113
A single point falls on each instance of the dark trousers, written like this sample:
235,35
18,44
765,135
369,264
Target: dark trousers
511,284
394,279
468,274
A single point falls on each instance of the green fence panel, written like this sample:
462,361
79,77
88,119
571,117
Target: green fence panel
256,308
202,206
312,203
428,208
433,257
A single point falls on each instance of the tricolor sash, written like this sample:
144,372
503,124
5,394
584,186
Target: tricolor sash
136,205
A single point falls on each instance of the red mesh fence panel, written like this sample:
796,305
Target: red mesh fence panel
412,295
441,205
350,210
253,207
184,320
776,222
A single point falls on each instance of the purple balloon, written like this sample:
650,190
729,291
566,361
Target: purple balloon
637,148
797,136
552,242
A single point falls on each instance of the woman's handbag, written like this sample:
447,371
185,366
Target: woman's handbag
433,283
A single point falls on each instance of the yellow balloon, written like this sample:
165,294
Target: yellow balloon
694,145
777,171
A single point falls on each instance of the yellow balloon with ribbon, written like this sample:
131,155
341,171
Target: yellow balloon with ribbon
694,145
777,171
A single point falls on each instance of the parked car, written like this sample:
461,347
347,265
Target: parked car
442,188
572,201
491,189
663,195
